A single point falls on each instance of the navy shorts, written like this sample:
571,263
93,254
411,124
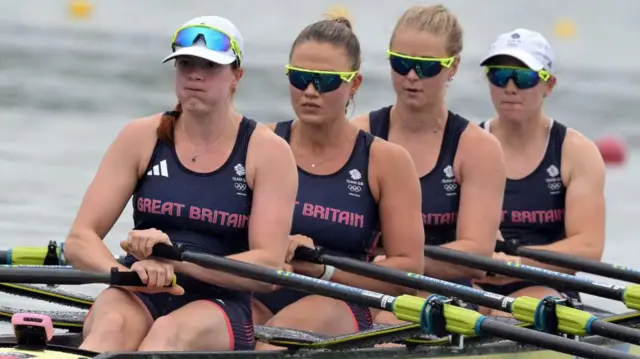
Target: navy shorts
236,308
278,300
508,289
237,313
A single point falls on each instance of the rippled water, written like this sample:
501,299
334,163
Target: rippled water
67,87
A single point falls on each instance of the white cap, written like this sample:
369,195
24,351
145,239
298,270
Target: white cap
528,46
199,50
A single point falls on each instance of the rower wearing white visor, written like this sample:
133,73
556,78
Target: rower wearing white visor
554,196
201,176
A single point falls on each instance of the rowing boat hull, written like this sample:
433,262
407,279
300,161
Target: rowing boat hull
315,346
63,346
503,350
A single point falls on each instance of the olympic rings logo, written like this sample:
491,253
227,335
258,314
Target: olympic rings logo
354,188
450,187
554,186
240,186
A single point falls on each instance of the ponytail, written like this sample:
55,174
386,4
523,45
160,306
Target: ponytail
168,123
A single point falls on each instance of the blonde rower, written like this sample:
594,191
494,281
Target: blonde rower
461,167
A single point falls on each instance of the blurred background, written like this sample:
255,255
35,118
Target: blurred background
72,73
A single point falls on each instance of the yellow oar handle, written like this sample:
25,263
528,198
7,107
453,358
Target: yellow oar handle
631,297
458,320
569,320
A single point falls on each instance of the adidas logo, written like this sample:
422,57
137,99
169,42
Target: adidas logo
159,170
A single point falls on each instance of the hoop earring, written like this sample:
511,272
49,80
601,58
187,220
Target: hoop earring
353,109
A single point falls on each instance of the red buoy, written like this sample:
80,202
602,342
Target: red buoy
612,149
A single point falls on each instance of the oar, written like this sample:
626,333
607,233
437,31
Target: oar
629,295
70,276
50,255
435,315
545,315
615,271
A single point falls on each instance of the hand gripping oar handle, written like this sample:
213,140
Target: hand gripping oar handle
170,252
515,247
130,279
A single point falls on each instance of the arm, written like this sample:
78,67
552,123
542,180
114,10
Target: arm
584,203
106,197
399,204
482,181
275,186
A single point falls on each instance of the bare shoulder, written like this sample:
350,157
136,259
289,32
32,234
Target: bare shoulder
480,155
362,121
581,154
137,140
390,156
578,145
265,144
264,137
269,157
138,136
475,140
141,129
271,125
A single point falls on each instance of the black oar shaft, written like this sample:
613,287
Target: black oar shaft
579,264
619,332
50,276
378,300
540,276
415,281
283,278
554,342
490,300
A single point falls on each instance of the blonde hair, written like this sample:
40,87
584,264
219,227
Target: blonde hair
341,15
435,19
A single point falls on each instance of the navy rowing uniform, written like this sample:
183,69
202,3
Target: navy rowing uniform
533,207
339,213
206,212
440,188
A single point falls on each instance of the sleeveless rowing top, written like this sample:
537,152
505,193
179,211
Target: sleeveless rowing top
337,210
440,189
206,212
533,207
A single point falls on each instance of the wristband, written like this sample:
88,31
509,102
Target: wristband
328,272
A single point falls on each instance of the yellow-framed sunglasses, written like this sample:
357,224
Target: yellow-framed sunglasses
424,67
323,81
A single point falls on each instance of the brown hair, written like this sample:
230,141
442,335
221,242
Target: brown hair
336,30
168,123
435,19
170,118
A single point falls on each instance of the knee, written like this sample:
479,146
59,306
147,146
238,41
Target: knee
165,330
179,333
111,324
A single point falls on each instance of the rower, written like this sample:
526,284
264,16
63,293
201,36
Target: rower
554,198
351,184
32,330
200,175
461,167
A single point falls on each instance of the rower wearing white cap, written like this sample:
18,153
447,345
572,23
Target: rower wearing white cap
203,176
554,197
